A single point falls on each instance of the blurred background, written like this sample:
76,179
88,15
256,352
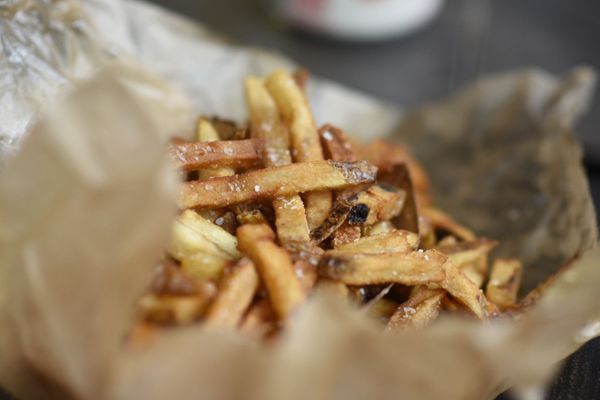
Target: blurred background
412,51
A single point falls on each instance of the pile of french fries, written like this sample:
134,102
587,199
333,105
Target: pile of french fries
280,209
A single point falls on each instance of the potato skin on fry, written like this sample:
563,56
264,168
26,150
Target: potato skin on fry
274,181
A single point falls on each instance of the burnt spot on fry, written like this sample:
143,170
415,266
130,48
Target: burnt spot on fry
358,215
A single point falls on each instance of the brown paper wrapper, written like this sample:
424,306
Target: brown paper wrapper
86,204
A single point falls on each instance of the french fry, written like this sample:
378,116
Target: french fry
414,268
441,220
378,228
274,181
206,132
427,234
462,289
386,156
169,279
204,266
400,178
463,254
178,310
260,321
504,283
293,107
420,310
345,234
192,234
306,273
274,266
236,291
344,203
396,241
250,216
290,215
191,156
383,204
226,129
336,144
333,288
301,76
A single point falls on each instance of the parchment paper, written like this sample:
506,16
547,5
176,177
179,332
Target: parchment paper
85,206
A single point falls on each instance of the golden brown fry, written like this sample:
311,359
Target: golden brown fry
400,178
427,234
192,234
250,216
441,220
190,156
236,291
274,266
179,310
448,241
462,289
397,241
333,288
412,268
336,144
295,111
420,310
260,321
290,215
464,254
274,181
345,234
382,204
206,132
504,283
340,210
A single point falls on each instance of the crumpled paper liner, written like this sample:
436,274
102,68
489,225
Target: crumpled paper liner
85,208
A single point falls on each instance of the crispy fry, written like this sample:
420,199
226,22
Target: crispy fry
226,129
250,215
290,215
462,289
274,181
345,234
441,220
504,283
464,254
340,210
382,204
180,310
206,132
412,268
192,234
400,178
426,233
396,241
336,144
236,291
420,310
293,107
234,153
274,266
260,321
